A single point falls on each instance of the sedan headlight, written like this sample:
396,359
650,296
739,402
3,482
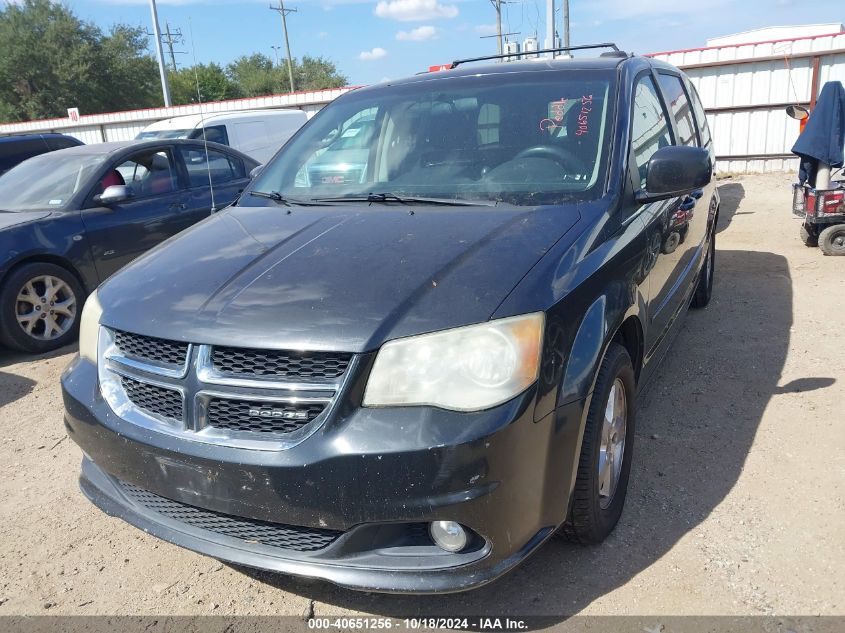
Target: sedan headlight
89,328
465,369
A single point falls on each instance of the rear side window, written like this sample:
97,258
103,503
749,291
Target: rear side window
219,167
679,106
649,128
18,150
61,142
700,116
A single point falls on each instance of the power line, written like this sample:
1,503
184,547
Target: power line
281,10
169,38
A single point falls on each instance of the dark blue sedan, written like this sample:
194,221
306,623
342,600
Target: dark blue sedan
71,218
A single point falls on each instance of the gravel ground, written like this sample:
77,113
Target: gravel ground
737,496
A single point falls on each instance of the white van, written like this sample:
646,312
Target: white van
257,133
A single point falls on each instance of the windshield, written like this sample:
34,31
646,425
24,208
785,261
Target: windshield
524,138
164,134
46,181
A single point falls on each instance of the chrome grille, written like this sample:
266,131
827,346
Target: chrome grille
240,397
299,539
150,348
260,416
159,401
288,365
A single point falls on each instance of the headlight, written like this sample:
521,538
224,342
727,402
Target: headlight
89,328
465,369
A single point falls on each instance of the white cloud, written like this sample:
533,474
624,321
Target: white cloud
415,10
419,34
376,53
486,29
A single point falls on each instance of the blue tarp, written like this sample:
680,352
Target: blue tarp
823,137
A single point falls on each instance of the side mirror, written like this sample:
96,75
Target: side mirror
255,171
797,112
674,171
114,194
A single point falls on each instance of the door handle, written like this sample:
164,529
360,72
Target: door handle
178,206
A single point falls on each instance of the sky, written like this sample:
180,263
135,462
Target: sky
374,40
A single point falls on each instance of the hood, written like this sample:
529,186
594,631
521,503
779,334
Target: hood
13,218
331,278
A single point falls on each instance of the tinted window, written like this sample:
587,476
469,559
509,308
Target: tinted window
649,128
523,138
18,150
676,100
149,173
59,142
213,134
218,167
700,116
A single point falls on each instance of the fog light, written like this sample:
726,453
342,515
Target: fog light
448,535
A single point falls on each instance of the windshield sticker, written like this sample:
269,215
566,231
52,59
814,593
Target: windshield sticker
556,112
353,131
583,120
55,201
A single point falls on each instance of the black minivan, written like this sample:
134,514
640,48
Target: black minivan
406,380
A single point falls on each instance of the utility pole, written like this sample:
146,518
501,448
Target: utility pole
165,87
284,12
550,25
497,4
566,23
171,38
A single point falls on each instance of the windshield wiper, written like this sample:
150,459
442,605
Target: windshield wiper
383,198
287,201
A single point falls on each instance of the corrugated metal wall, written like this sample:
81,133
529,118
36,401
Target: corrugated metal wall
124,126
745,88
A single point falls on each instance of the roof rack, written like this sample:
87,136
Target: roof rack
580,47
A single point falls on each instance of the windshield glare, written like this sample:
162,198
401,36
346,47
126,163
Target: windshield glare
47,181
532,138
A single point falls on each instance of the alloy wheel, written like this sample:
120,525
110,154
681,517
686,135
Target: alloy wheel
46,307
612,448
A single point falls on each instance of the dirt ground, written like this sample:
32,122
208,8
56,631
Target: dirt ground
737,496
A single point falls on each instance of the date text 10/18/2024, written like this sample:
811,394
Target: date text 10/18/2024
460,624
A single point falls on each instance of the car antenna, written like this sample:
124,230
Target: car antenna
202,115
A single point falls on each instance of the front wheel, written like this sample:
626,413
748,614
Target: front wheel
606,450
40,305
832,240
808,236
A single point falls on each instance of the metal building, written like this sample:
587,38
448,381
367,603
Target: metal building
745,81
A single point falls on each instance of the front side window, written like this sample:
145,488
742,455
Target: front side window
148,173
649,128
679,106
530,138
212,133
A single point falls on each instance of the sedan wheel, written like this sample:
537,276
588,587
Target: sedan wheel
40,306
46,308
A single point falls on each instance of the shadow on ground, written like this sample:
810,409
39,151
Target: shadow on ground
697,422
730,197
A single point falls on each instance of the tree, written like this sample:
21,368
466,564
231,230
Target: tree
255,75
214,84
50,60
317,73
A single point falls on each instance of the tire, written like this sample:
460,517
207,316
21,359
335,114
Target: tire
30,290
810,238
594,514
832,240
704,287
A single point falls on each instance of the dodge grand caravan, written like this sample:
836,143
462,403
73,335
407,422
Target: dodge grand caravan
409,380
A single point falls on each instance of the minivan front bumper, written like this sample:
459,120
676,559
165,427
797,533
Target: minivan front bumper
371,478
